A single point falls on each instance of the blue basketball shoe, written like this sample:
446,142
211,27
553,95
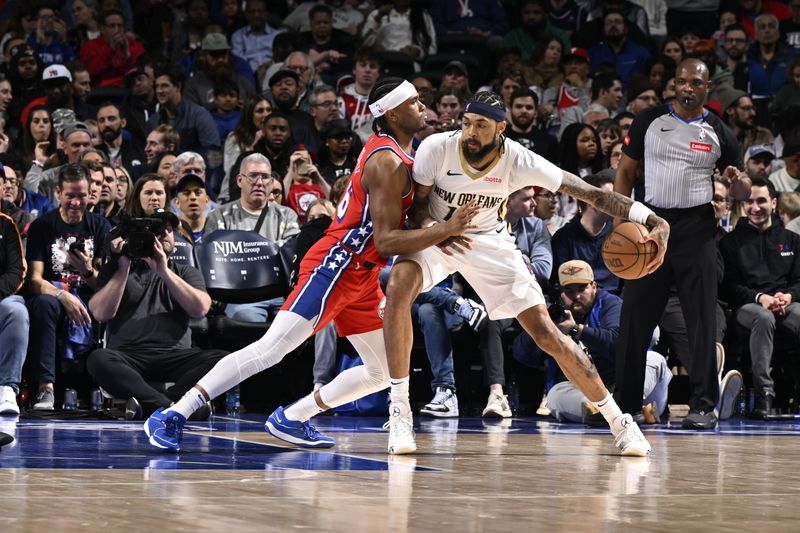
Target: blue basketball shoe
165,430
300,433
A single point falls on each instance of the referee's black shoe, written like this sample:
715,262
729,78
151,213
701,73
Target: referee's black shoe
700,420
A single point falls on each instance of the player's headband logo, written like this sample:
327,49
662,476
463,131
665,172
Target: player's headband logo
396,96
488,111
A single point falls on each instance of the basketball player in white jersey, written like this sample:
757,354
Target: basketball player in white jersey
478,164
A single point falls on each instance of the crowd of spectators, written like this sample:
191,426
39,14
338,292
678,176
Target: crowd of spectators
227,115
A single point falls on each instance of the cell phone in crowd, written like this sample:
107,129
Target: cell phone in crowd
303,164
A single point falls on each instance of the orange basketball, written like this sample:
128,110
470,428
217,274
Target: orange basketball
624,255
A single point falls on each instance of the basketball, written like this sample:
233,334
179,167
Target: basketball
624,255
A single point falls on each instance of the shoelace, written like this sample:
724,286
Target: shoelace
310,431
172,429
630,432
441,399
388,423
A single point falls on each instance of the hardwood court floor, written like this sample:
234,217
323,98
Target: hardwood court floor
518,475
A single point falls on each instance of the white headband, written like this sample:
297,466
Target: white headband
396,96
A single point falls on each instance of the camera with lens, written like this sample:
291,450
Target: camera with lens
139,234
557,313
77,246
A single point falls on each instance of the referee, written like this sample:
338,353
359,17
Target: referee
680,145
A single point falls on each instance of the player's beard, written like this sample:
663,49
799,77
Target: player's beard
481,153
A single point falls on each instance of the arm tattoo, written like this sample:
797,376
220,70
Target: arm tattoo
611,203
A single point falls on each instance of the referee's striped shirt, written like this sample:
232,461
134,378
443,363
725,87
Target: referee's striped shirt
680,155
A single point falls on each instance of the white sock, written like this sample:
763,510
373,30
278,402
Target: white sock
399,390
610,411
191,402
303,409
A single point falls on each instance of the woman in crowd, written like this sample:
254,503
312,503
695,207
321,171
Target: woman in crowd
39,128
162,165
124,187
149,194
546,70
579,150
673,49
246,134
659,70
508,82
579,153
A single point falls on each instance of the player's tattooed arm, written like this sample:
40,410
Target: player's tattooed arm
619,206
611,203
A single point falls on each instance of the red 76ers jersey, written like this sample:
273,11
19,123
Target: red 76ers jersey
352,225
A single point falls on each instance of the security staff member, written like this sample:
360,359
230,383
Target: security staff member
680,145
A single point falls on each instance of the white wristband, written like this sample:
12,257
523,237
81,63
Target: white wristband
431,223
639,213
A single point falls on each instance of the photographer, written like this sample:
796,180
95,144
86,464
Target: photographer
147,302
63,253
591,315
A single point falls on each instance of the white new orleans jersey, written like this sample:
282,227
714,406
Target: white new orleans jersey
440,163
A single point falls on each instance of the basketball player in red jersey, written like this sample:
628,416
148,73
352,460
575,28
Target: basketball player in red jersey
338,281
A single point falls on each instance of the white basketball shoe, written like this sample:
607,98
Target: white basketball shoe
401,429
629,438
